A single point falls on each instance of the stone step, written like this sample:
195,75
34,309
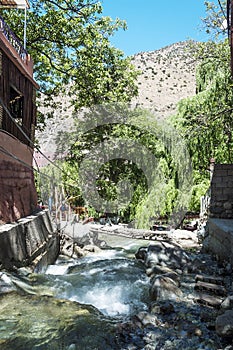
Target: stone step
210,287
209,279
210,300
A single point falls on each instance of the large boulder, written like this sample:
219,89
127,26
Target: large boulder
227,304
164,288
166,254
163,270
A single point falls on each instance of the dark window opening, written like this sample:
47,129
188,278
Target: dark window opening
16,103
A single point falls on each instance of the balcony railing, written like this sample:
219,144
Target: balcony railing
13,40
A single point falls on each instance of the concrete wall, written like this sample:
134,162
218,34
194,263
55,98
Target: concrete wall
220,222
220,239
30,241
221,202
18,196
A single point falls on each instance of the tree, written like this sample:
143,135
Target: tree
69,43
215,22
126,163
206,120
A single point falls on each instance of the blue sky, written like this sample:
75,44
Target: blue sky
153,24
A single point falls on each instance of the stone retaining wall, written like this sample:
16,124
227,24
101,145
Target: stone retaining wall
30,241
221,202
220,222
220,239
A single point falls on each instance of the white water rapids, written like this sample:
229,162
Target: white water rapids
111,281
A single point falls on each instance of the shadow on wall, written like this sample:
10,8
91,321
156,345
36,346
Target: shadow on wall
18,193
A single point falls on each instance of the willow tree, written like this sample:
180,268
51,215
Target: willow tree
206,120
127,163
69,43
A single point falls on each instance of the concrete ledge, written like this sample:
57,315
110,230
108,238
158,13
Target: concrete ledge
30,241
220,239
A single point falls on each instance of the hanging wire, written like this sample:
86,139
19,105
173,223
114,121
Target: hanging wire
13,156
33,145
26,136
223,12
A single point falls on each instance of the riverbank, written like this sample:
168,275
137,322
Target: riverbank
152,302
191,296
190,292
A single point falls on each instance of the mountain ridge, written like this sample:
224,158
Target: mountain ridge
167,76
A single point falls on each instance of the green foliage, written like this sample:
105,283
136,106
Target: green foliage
153,186
200,187
206,120
47,180
215,20
69,43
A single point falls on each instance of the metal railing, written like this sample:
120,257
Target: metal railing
13,40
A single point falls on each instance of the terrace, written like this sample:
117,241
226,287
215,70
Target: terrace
15,47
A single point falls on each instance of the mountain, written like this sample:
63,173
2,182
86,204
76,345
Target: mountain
167,76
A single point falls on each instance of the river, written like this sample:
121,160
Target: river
113,281
101,302
46,311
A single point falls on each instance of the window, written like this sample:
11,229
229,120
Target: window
16,104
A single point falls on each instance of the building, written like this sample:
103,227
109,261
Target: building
17,125
27,236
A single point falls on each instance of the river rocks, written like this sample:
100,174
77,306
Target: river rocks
181,322
147,318
164,288
161,259
158,270
227,304
162,307
166,254
78,251
72,249
6,284
185,238
165,271
141,253
81,252
224,324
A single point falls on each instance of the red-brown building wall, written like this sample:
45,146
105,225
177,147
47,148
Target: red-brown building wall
18,196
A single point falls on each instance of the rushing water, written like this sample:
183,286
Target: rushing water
111,281
89,303
76,303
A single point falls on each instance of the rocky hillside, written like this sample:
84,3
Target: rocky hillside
167,76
